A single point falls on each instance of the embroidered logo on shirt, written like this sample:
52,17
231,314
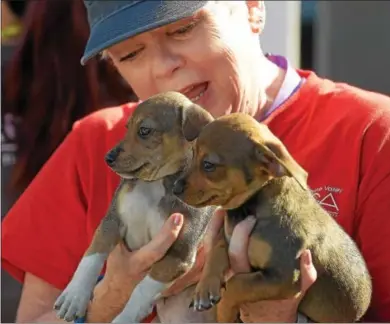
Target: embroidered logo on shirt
327,198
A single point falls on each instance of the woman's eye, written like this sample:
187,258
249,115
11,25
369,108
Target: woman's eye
184,30
144,132
130,56
208,166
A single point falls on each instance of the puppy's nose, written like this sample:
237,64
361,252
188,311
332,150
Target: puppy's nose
179,186
111,157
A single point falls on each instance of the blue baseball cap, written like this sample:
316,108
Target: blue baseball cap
112,21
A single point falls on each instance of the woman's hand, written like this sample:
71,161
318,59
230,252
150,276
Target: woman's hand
123,263
267,311
193,276
264,311
125,269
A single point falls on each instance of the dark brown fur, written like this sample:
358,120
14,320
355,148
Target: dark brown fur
240,165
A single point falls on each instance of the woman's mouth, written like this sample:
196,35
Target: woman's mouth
196,91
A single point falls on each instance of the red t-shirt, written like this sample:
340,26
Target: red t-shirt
338,133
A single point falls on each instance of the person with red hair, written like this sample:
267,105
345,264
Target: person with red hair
45,90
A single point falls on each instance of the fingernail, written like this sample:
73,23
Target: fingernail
307,258
177,219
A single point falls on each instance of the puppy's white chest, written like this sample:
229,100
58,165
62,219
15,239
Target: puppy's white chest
140,213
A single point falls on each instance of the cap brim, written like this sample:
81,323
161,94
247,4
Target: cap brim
133,20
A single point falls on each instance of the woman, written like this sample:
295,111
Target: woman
210,51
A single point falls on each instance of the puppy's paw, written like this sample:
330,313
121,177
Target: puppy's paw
72,303
208,293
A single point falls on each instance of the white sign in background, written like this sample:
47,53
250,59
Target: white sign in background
282,33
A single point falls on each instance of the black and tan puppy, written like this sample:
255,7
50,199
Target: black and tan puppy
240,165
149,160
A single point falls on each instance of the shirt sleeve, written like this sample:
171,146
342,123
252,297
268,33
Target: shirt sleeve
44,233
373,214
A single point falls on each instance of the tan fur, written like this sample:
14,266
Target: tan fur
240,165
149,159
171,117
260,261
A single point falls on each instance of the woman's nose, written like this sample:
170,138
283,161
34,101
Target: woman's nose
166,62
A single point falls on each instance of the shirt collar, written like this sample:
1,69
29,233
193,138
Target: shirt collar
291,82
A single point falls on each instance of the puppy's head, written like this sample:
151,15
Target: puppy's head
158,137
234,157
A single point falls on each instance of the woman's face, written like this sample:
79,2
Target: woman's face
209,57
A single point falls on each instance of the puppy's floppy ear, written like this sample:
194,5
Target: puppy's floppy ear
279,162
193,120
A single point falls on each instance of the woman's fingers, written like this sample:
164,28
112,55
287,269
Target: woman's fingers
146,256
308,271
238,247
193,275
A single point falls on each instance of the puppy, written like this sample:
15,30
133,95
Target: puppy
240,165
148,160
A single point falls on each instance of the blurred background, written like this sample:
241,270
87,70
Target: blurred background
345,41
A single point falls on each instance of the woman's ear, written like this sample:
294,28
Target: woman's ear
256,14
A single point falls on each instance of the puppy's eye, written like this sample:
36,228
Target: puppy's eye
208,166
144,132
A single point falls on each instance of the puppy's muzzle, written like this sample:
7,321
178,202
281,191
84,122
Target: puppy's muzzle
112,155
179,187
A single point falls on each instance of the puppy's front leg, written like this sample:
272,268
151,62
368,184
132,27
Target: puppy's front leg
178,260
73,301
256,286
208,290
